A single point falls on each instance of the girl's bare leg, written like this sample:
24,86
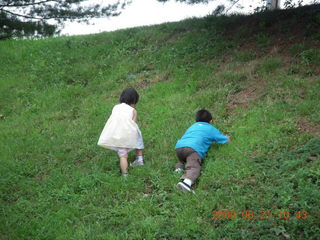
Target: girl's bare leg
139,158
124,163
139,152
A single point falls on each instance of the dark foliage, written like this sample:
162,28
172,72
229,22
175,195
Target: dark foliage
22,18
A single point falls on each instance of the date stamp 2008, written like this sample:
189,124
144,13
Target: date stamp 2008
263,214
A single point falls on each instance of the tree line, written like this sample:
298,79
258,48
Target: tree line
38,18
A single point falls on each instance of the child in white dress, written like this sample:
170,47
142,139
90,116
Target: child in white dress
121,132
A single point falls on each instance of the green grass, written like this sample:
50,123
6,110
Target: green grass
56,94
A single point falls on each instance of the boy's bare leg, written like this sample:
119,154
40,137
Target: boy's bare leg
124,164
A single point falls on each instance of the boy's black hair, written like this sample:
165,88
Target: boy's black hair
129,96
203,115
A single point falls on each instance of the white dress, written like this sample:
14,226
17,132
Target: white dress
121,131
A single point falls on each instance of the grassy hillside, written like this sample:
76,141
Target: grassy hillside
258,75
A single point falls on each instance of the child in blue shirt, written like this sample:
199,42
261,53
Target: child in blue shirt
193,147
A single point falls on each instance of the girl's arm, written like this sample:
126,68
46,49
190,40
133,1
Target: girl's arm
135,115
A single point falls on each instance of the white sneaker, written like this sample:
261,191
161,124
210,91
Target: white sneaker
183,187
136,163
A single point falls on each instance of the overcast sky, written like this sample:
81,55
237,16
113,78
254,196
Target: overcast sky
149,12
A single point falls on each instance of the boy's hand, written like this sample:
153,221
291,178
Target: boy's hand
228,137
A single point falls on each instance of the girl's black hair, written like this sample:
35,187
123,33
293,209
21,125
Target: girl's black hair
203,115
129,96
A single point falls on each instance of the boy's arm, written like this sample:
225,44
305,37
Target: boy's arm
221,138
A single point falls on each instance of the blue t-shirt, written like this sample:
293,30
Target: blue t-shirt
200,136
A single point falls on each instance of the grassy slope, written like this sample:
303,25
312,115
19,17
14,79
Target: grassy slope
259,75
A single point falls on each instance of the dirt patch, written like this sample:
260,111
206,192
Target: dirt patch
305,126
172,38
249,93
145,81
176,35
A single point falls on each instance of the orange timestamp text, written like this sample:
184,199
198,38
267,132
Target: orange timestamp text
263,214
